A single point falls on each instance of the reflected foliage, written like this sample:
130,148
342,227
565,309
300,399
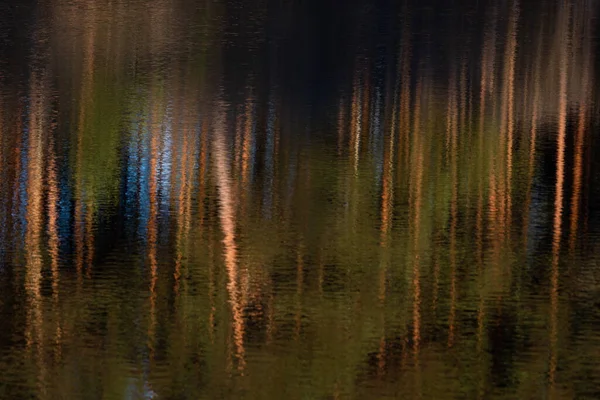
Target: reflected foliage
188,212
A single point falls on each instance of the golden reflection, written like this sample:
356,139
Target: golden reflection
416,206
53,239
228,217
356,123
479,214
247,141
152,229
183,204
387,195
237,147
580,139
387,201
33,269
558,196
509,66
577,173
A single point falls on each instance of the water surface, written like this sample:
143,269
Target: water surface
300,200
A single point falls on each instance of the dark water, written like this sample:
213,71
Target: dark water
299,200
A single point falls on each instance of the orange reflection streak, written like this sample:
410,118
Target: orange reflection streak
238,144
53,238
509,64
387,195
490,86
387,200
155,132
577,174
487,80
418,141
202,170
180,214
247,142
578,153
227,217
33,257
356,124
558,201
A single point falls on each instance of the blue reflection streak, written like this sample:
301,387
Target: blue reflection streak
143,176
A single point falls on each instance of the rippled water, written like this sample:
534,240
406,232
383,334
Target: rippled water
299,200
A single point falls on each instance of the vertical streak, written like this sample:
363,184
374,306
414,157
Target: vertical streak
180,214
486,85
510,76
577,174
153,221
227,217
247,142
356,124
387,201
579,148
558,199
418,140
53,238
33,269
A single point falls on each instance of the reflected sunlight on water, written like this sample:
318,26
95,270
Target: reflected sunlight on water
217,200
